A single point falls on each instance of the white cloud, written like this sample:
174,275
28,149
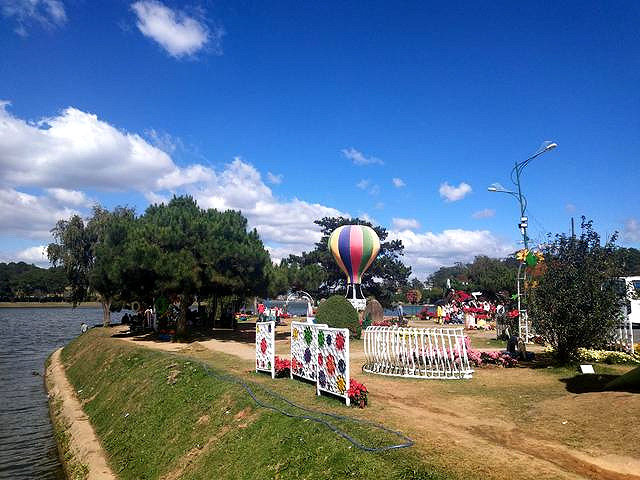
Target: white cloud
358,158
453,194
69,197
76,150
369,186
631,230
485,213
363,184
32,216
179,34
274,179
398,182
286,226
570,208
426,252
47,13
36,255
405,223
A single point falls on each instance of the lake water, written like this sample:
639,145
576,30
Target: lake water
28,335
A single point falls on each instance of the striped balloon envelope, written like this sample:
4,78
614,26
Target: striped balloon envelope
354,247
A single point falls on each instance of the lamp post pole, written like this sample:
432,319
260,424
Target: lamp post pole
523,321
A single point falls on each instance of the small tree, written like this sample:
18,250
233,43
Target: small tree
337,312
575,304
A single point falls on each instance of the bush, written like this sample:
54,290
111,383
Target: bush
337,312
282,367
358,394
574,305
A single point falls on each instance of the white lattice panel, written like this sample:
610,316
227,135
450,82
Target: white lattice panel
333,361
304,349
266,347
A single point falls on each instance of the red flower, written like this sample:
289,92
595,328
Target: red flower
340,341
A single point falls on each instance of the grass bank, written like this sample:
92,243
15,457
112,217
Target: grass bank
160,415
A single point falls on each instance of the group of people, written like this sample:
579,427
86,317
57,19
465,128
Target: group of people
266,314
140,320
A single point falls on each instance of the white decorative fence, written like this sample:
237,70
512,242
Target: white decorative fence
266,347
304,350
333,362
416,352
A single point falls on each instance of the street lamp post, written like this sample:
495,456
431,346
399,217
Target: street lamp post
523,321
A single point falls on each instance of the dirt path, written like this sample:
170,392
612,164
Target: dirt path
460,428
83,440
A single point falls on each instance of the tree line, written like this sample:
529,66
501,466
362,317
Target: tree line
175,250
21,282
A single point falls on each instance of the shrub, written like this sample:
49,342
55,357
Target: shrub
574,304
337,312
358,393
282,367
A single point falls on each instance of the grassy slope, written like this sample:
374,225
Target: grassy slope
162,416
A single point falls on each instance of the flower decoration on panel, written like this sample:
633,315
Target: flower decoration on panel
263,346
307,355
340,341
341,384
331,365
322,378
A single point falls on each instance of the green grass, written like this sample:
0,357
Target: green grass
157,413
484,342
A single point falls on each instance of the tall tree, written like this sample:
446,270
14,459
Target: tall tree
73,249
113,230
76,247
182,251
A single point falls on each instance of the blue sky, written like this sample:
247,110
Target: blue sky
402,112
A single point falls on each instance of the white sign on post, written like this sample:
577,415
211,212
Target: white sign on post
266,347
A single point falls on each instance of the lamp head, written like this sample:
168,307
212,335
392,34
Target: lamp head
492,189
551,146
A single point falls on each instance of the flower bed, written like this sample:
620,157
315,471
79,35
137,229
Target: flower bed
605,356
478,359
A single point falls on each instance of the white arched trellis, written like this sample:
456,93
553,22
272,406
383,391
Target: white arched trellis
416,352
298,295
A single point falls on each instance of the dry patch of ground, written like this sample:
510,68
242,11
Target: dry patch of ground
83,441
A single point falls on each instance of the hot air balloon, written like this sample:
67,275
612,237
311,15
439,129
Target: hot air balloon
354,248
